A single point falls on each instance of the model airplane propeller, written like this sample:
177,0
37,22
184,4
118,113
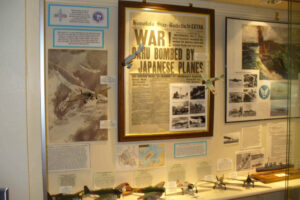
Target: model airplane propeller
209,82
128,60
86,96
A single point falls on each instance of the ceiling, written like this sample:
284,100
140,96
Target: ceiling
261,3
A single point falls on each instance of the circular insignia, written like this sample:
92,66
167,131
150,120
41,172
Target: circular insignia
264,92
98,16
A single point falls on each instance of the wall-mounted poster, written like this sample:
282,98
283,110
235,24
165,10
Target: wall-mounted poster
163,50
76,101
256,70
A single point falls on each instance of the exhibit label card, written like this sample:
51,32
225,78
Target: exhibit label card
68,157
78,16
78,38
190,149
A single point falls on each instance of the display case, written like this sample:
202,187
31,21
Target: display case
203,113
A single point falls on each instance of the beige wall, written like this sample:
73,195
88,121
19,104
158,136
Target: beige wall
13,133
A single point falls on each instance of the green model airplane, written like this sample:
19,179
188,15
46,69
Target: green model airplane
109,193
60,196
151,193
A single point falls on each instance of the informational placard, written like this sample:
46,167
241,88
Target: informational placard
78,38
257,62
78,16
162,88
68,157
190,149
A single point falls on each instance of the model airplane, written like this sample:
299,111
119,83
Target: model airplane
209,82
109,193
60,196
150,193
218,184
86,96
128,60
248,182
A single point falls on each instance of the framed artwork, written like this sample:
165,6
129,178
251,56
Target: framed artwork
164,51
256,70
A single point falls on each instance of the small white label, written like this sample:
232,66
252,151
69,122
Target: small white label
65,189
109,80
232,175
107,124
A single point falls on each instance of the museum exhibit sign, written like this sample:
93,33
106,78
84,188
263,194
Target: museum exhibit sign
165,53
256,70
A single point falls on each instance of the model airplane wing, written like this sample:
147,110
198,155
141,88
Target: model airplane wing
128,60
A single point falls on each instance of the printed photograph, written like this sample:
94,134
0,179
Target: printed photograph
257,160
235,83
243,161
250,80
265,48
197,92
76,101
249,110
180,123
249,95
197,121
197,107
231,138
180,108
179,92
279,90
235,97
279,108
235,111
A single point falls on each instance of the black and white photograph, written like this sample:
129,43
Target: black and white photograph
243,161
235,97
180,108
235,82
231,138
197,107
180,123
257,160
279,107
235,110
197,92
250,80
76,99
179,92
249,110
197,121
250,95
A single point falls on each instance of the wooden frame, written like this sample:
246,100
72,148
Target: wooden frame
153,122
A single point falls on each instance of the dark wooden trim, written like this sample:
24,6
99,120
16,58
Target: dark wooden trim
121,104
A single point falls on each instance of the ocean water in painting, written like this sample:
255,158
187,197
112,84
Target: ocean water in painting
265,49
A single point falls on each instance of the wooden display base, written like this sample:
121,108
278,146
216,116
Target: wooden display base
276,175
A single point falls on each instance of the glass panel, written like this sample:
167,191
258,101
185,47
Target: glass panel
294,106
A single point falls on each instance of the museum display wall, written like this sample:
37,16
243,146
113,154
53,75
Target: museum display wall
94,157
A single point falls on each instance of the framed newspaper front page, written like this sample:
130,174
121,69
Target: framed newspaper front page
164,53
256,70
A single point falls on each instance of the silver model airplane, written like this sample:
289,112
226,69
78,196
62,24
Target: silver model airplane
128,60
209,81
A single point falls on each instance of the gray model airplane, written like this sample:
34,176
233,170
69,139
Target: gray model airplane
128,60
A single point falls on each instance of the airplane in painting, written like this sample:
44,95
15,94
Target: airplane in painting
209,82
128,60
86,96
